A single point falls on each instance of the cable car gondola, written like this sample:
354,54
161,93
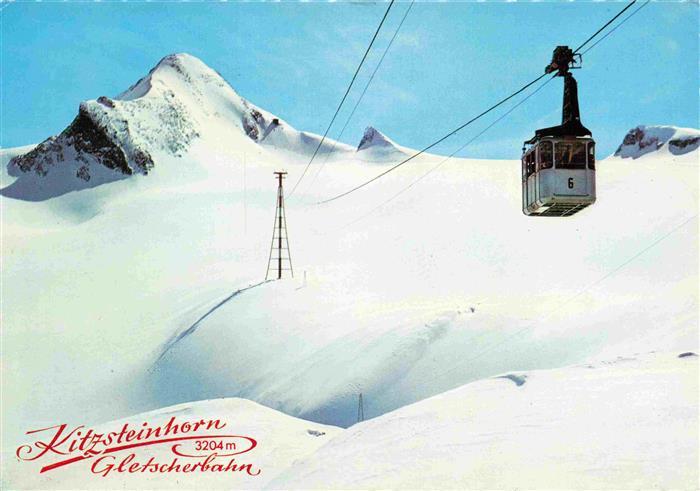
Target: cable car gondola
558,163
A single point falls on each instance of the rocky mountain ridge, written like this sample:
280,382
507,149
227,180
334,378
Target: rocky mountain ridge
644,139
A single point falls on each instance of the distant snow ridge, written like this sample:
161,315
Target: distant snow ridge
628,423
645,139
181,100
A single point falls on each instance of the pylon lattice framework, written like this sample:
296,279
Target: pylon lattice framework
280,258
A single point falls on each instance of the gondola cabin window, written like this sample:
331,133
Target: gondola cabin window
530,162
591,155
545,155
570,155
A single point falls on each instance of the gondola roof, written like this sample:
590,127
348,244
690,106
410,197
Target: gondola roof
570,128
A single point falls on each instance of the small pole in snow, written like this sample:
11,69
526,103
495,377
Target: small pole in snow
360,410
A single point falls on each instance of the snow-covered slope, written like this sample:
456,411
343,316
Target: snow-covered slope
627,423
139,285
672,140
280,439
387,306
433,293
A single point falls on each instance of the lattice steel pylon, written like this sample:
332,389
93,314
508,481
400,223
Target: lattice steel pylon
280,239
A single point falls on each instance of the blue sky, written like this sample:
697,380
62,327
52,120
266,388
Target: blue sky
450,61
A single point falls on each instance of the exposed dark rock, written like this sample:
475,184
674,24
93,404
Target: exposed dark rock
257,116
83,173
254,123
88,142
143,160
250,129
638,136
89,138
315,432
86,137
683,145
106,101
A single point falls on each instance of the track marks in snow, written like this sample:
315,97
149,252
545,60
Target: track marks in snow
192,328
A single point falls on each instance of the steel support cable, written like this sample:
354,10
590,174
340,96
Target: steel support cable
579,293
599,280
614,28
364,57
382,174
439,164
491,125
605,25
425,149
352,113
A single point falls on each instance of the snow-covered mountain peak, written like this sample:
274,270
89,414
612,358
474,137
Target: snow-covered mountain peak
643,139
374,138
179,69
158,118
375,145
